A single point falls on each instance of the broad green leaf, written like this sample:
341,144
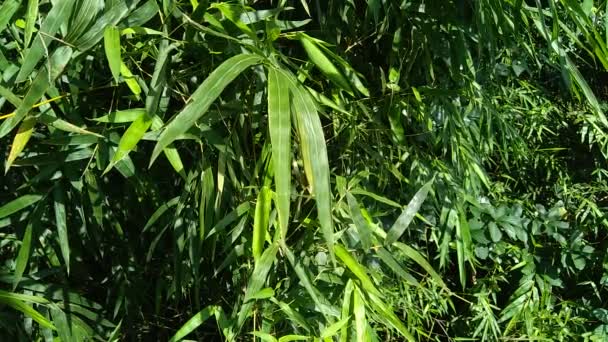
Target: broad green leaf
386,314
394,265
264,293
362,226
18,204
43,80
333,329
408,214
346,304
30,21
130,80
359,312
279,125
289,338
64,329
21,138
87,12
110,18
14,300
314,155
65,126
264,336
356,269
194,323
57,16
317,56
7,9
122,116
420,260
111,44
202,99
130,138
61,223
260,221
257,280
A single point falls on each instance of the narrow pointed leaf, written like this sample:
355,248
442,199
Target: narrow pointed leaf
408,214
279,122
111,44
21,138
61,223
41,83
18,204
202,99
260,221
57,16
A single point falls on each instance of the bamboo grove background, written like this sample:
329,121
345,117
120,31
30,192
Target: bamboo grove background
315,170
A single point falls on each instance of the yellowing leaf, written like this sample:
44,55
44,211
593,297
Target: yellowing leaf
23,136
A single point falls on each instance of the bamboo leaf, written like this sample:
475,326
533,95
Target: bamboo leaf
130,138
111,43
279,124
30,21
323,63
43,80
193,323
202,98
23,256
61,223
57,16
260,222
314,155
21,138
18,204
408,214
356,269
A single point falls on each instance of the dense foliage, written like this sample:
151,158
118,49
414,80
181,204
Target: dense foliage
284,170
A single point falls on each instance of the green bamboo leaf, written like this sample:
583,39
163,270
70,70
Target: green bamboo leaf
421,260
61,223
21,138
87,12
257,280
130,80
202,99
346,301
333,329
387,315
57,16
314,156
122,116
279,124
129,139
359,221
7,10
65,126
408,214
356,269
264,336
394,265
41,83
111,43
289,338
293,315
142,14
323,63
15,301
64,329
194,323
160,211
18,204
30,21
23,256
260,222
359,312
111,17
